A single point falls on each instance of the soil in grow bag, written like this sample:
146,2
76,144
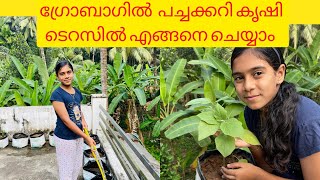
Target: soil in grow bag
51,133
36,135
19,136
88,153
93,168
95,138
3,135
212,161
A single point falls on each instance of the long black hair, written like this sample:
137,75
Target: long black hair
277,122
62,63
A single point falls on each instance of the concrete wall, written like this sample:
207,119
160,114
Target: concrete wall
30,119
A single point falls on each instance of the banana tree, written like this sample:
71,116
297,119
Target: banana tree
127,84
27,90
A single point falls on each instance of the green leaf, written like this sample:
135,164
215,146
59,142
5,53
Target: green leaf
207,117
225,144
31,71
234,109
49,89
315,46
199,52
230,90
3,90
185,89
294,76
182,127
42,69
250,138
34,96
242,120
163,89
114,103
140,95
171,118
174,76
18,98
221,66
205,130
156,129
112,73
232,127
204,142
198,101
219,112
128,76
22,84
153,103
218,82
209,91
243,160
19,66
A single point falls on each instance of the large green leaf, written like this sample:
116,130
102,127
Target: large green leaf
204,142
156,129
3,90
174,76
234,109
22,84
219,112
34,96
185,89
250,138
232,127
48,89
153,103
205,130
315,46
19,66
171,118
42,69
199,52
128,76
31,71
221,66
112,73
294,76
242,120
18,98
209,91
140,95
182,127
225,144
114,103
208,117
218,82
198,101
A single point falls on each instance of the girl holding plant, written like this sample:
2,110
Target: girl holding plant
286,123
70,123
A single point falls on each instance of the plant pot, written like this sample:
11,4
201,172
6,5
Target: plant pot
4,140
37,140
88,157
210,162
91,171
51,138
20,140
95,138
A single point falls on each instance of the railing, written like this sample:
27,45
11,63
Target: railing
136,165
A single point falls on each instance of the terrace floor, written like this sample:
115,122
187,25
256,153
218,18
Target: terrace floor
28,163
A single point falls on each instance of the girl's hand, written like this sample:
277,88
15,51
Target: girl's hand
241,143
90,141
241,171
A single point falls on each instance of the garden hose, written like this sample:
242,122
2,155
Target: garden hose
96,156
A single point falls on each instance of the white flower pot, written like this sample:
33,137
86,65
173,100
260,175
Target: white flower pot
51,138
20,140
37,140
4,141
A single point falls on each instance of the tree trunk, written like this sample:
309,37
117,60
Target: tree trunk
134,124
104,73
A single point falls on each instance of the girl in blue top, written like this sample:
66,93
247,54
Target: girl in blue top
286,124
70,123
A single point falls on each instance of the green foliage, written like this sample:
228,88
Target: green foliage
168,170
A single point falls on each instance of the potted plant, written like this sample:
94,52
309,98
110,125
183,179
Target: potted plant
4,140
207,116
20,140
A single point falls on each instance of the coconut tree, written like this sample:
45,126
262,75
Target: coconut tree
104,74
139,54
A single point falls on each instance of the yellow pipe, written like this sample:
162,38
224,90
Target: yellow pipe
94,151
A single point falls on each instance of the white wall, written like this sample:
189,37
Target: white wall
30,119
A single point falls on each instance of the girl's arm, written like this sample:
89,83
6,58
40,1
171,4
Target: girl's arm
310,166
84,123
61,110
258,156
